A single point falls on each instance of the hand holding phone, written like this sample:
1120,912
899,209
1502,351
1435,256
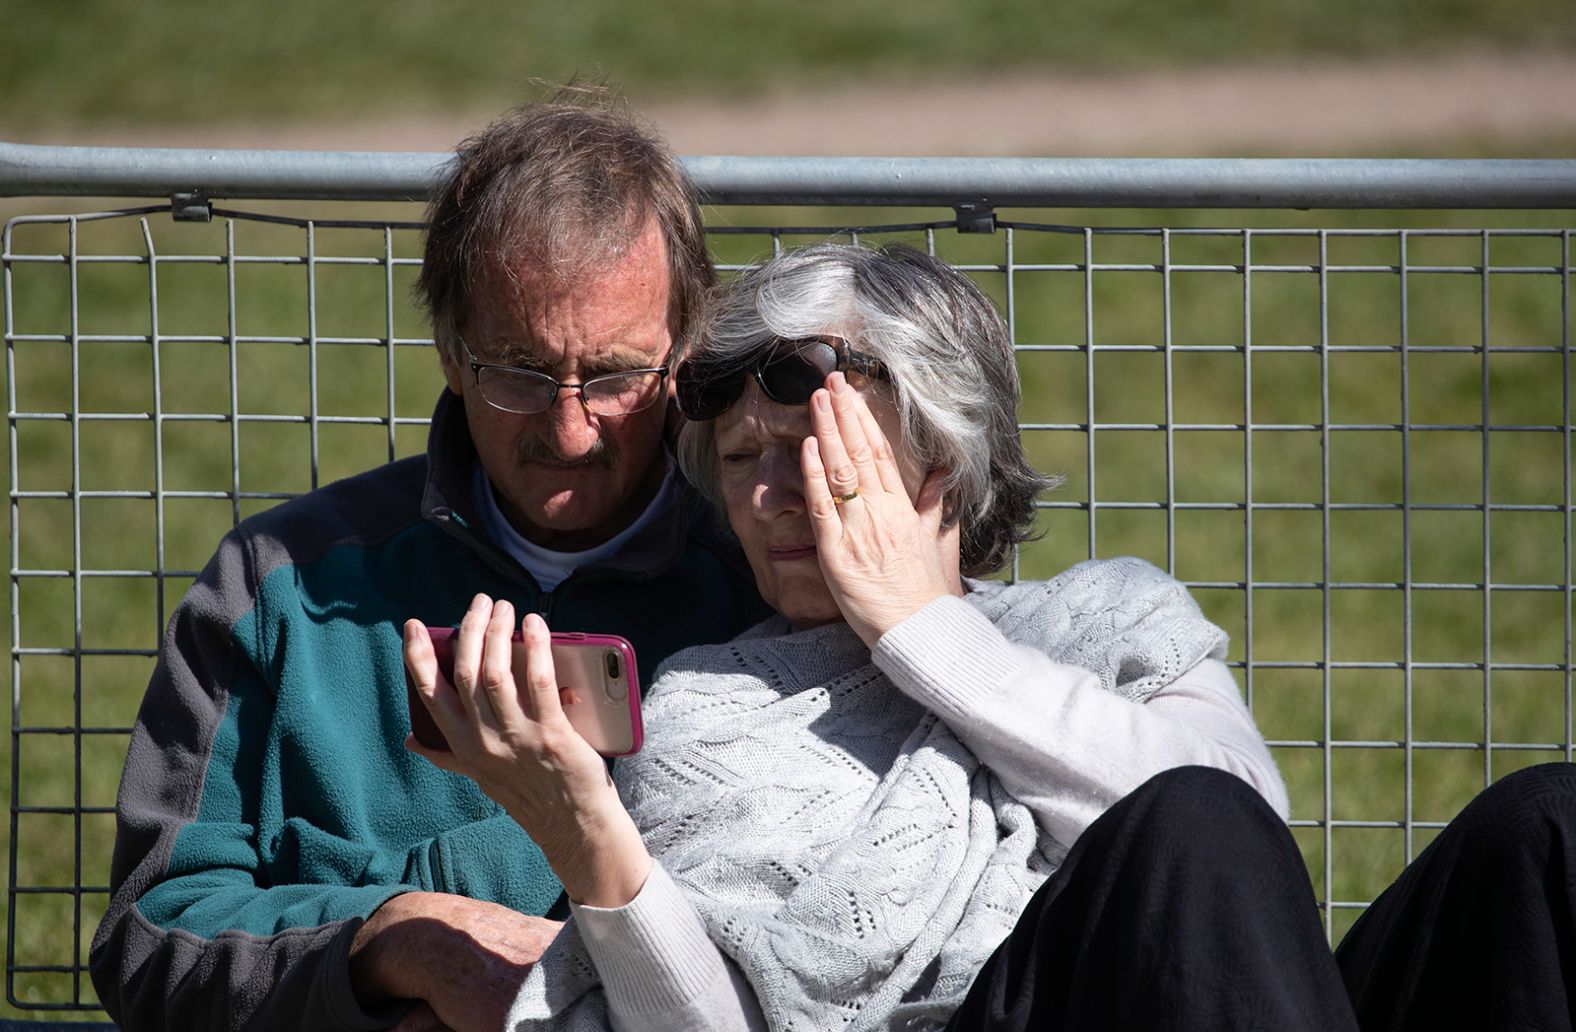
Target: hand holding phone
598,687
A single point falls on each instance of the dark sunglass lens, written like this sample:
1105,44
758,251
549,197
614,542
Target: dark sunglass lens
796,369
706,393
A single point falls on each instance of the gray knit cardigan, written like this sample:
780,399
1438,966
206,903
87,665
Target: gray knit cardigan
844,848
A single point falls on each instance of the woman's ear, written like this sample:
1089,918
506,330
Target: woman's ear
951,539
950,508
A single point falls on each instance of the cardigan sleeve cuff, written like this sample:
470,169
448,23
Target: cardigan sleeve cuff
948,657
653,952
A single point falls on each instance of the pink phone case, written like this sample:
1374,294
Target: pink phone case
598,685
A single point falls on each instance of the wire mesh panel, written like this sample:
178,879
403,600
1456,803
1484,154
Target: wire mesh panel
1353,444
164,381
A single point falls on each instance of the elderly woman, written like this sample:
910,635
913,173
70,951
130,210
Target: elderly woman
840,816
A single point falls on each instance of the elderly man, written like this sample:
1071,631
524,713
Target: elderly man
281,860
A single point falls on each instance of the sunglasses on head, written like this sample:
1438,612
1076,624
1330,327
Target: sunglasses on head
788,371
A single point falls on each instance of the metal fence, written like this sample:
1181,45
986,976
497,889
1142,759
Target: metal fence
1351,440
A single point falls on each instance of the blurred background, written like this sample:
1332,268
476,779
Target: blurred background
1023,77
280,373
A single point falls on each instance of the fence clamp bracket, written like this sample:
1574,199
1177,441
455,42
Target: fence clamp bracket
190,206
975,217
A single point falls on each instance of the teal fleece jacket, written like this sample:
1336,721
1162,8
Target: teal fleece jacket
268,804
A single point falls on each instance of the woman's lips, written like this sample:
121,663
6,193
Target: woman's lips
788,553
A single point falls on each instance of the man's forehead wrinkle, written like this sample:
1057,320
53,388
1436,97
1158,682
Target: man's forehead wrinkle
536,353
523,284
538,323
564,247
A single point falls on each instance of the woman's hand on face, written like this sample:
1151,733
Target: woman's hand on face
884,555
507,731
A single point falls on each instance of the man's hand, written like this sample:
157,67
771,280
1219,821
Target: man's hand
464,957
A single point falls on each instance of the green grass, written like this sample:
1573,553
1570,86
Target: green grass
1128,307
178,61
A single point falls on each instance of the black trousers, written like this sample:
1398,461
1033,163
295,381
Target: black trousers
1187,906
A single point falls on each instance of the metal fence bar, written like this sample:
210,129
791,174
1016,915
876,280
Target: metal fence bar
1088,285
311,346
1488,579
1565,467
1011,270
76,605
40,170
388,342
1325,652
1247,467
1326,561
155,363
1407,586
14,594
235,375
1170,411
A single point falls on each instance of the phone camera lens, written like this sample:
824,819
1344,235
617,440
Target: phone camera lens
616,687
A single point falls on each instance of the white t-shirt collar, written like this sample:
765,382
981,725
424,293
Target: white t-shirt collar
551,568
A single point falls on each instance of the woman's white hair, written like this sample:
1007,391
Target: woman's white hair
954,378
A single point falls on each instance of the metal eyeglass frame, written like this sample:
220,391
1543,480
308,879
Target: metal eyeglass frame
558,385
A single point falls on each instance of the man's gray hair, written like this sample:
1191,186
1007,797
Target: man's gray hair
558,191
954,378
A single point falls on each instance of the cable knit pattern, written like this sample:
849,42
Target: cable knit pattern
843,847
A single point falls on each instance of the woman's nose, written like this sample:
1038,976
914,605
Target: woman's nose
779,485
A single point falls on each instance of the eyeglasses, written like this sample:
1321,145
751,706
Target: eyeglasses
528,392
789,371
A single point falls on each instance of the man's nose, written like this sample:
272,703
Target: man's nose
572,429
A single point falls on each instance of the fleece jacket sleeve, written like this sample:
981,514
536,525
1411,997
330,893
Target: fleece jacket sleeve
195,935
1062,745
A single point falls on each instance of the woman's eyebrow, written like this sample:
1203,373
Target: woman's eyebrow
730,435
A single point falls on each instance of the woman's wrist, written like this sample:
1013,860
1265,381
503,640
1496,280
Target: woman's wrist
603,863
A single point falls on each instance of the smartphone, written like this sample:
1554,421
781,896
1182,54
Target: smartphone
597,684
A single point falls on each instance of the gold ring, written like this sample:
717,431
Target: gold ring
850,496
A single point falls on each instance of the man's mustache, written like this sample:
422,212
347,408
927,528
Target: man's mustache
535,451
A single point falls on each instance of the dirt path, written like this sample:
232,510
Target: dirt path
1314,109
1307,109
